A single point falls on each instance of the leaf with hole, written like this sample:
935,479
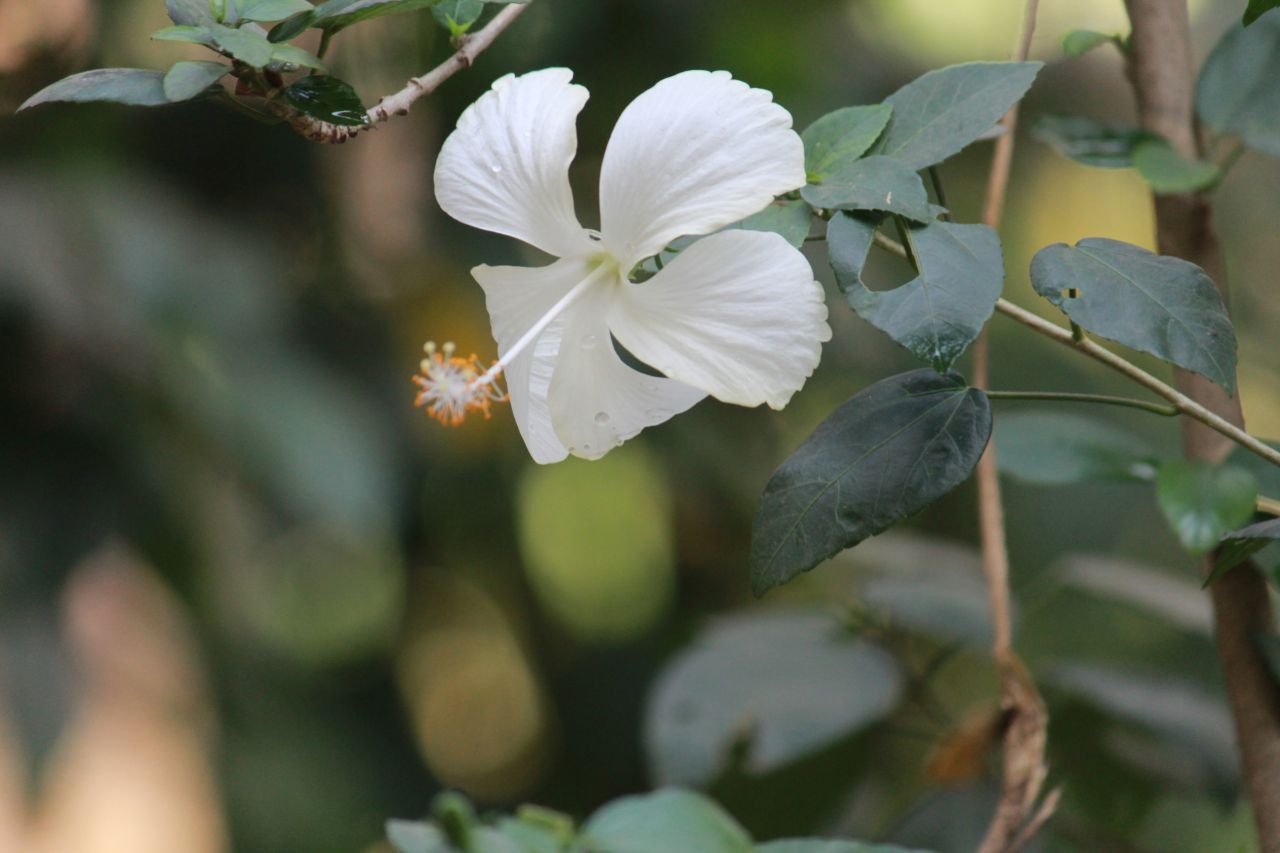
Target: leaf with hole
1087,141
327,98
1053,448
769,686
936,115
186,80
667,820
873,183
885,454
940,312
133,86
1237,91
1204,502
1156,304
842,136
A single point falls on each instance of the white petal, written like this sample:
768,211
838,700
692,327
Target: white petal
694,153
736,314
597,401
506,167
517,297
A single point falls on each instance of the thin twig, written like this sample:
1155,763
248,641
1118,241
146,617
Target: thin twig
471,46
1072,397
1270,506
1184,404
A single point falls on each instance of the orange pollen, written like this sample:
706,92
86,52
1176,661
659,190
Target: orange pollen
452,386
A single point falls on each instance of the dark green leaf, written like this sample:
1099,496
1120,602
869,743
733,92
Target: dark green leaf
191,13
292,55
1053,448
270,10
1160,305
842,136
186,80
939,313
334,15
1168,171
1079,42
1237,91
788,218
457,16
663,822
1203,502
1239,545
1257,8
823,845
941,112
132,86
1087,141
885,454
291,27
782,684
327,98
873,183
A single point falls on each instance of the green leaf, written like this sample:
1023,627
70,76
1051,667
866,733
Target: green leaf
823,845
457,16
1256,9
327,98
775,685
251,48
189,12
291,27
1156,304
939,313
665,821
1203,502
1052,449
133,86
886,453
1237,91
296,56
1168,171
334,15
1090,142
1239,545
941,112
186,80
788,218
1079,42
842,136
191,34
270,10
410,836
873,183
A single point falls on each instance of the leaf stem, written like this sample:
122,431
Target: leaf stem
1071,397
938,192
1184,404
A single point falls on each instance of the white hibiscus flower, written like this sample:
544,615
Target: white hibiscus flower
737,315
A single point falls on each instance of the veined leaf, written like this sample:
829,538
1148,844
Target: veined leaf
1237,91
1157,304
939,313
842,136
936,115
134,86
885,454
1204,502
873,183
457,16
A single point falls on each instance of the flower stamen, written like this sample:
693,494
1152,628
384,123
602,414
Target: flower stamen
453,386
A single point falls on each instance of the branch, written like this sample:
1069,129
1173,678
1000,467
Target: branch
1159,66
470,47
1072,397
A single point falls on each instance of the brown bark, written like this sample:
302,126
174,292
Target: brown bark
1161,72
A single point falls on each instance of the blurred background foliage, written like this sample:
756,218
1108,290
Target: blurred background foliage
251,599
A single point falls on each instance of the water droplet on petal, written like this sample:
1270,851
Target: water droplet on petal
588,342
602,418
